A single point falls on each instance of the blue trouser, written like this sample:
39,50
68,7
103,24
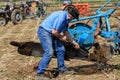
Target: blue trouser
49,44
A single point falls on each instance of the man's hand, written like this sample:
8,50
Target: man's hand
63,38
76,45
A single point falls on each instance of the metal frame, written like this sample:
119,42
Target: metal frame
113,36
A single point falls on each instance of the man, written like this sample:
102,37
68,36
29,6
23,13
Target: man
50,36
7,7
40,11
22,5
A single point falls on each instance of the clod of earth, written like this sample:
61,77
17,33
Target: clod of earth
101,52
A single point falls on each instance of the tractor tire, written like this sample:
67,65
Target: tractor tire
16,16
3,21
27,11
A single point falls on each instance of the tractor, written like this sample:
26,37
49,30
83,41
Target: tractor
8,14
15,16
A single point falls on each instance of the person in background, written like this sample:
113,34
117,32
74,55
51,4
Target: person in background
7,7
22,5
49,34
40,11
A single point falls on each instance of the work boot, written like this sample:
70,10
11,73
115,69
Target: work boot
42,76
67,72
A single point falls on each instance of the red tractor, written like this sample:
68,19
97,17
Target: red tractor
83,8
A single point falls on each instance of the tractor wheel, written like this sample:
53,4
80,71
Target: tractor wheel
3,21
27,11
16,16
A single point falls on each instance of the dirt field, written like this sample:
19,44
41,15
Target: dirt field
14,66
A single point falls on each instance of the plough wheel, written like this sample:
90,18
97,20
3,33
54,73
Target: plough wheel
82,34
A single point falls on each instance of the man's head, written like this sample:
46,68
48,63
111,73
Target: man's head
74,13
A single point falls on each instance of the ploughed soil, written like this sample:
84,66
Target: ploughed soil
15,66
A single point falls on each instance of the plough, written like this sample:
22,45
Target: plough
84,34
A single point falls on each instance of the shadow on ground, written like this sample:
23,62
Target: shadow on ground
34,49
